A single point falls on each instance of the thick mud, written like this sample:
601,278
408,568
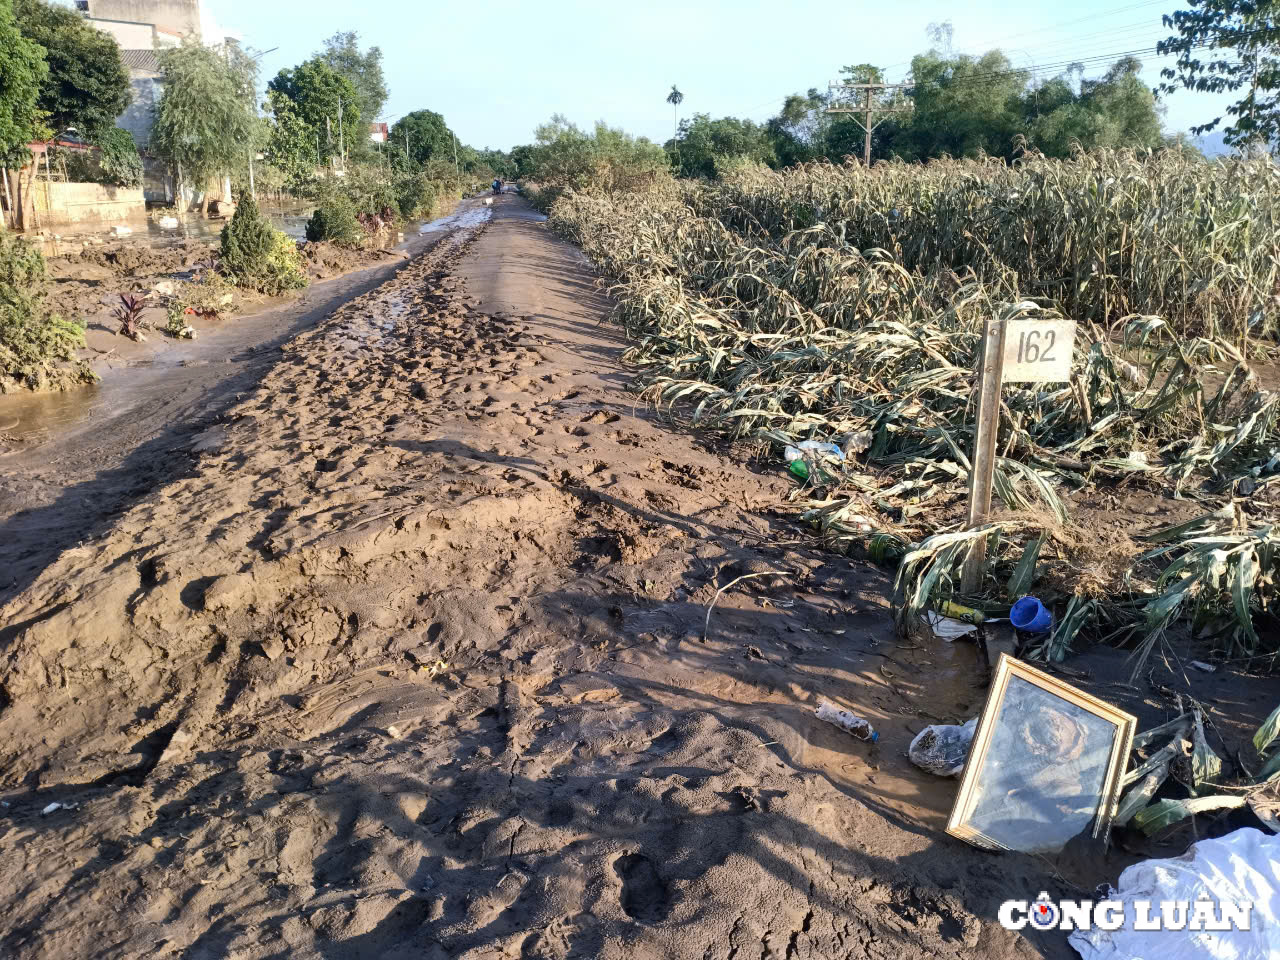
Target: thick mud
412,658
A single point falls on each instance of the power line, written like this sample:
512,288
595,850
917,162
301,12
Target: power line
1137,53
1054,26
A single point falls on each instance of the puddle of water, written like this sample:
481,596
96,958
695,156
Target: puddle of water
471,217
31,416
149,233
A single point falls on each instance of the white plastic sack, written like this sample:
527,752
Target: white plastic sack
943,748
1243,867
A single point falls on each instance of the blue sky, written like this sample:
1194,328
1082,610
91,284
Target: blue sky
496,69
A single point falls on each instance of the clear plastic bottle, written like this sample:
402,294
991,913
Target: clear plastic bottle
847,722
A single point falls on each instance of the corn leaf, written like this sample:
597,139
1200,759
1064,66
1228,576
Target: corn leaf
1165,813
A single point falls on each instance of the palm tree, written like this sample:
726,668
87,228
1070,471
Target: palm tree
674,98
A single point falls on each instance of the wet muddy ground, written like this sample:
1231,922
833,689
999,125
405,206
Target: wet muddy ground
395,643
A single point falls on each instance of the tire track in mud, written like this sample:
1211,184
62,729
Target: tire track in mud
411,665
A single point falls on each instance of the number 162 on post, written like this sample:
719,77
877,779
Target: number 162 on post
1038,351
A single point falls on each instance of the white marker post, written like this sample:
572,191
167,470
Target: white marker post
1013,351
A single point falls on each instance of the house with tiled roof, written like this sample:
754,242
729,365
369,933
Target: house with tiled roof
144,29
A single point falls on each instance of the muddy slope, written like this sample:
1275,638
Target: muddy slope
411,664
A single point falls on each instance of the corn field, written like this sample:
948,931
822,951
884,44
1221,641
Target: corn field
840,304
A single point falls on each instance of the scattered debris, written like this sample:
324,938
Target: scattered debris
814,447
847,722
1189,758
942,748
53,807
858,442
1030,616
1045,765
1240,871
1201,665
947,628
706,626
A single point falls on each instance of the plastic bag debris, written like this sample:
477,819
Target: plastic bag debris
806,454
858,442
942,748
947,628
51,808
1241,868
847,722
819,448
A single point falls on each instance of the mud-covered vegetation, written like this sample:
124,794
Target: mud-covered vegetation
836,303
258,256
35,344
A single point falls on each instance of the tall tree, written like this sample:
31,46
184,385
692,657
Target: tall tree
87,85
429,138
205,122
963,106
707,148
321,97
1230,46
675,98
22,71
292,146
364,70
799,131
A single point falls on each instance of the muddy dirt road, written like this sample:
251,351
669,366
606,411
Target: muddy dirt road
406,658
71,461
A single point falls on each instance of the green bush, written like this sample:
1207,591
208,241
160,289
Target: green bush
368,188
34,345
335,221
284,269
118,158
415,195
256,255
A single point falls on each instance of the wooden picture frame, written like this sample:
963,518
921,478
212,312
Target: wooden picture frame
1046,764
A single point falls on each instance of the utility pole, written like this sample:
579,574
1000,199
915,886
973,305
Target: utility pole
455,154
342,143
868,108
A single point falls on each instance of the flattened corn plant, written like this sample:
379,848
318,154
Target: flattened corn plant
759,309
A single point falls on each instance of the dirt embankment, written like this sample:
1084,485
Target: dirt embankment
414,661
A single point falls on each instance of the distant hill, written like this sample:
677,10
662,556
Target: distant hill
1211,145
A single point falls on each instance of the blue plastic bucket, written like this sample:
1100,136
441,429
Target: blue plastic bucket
1030,615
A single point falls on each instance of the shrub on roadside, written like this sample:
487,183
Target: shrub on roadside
34,344
415,195
256,255
335,221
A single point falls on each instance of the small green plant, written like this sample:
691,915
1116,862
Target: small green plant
209,295
35,346
129,313
335,221
178,325
256,255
